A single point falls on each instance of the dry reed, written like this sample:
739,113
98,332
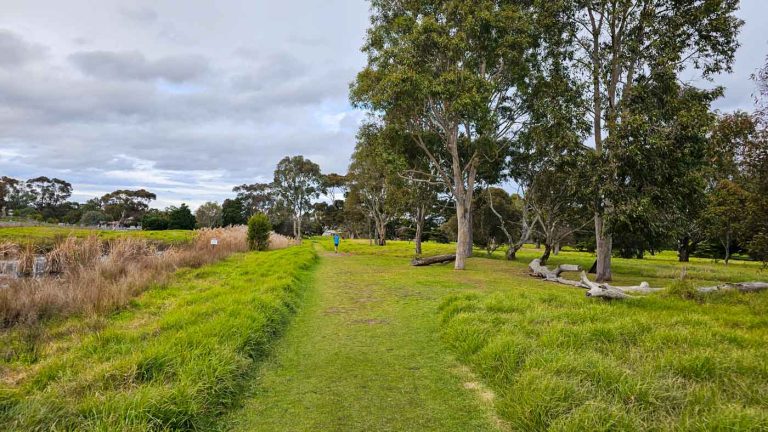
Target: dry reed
279,241
93,276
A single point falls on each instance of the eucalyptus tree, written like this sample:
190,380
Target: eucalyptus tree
297,181
451,69
421,186
48,193
8,187
256,197
496,218
621,41
125,204
209,215
374,181
726,140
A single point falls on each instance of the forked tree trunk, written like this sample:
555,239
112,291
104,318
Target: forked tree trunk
382,230
604,243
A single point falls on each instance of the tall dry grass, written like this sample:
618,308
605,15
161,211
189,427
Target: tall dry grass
94,276
279,241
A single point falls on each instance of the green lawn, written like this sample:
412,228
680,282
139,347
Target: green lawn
553,358
378,345
174,360
365,354
46,236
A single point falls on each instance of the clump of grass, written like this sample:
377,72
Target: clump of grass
683,289
175,360
96,276
559,361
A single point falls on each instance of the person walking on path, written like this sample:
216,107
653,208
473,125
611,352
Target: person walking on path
336,240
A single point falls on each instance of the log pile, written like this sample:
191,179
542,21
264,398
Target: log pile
607,291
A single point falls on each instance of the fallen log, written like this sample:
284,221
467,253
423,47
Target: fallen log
438,259
544,272
604,290
740,286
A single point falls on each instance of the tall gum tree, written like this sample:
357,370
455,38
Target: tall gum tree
297,181
374,181
450,68
619,40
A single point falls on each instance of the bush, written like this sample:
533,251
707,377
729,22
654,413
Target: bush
258,232
154,222
181,218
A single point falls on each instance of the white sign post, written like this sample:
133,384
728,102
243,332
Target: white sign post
214,242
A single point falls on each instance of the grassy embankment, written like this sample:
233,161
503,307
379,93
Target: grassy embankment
174,359
557,360
46,237
96,276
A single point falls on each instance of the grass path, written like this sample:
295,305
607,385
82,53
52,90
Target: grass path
364,354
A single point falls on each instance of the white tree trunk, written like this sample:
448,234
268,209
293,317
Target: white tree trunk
603,250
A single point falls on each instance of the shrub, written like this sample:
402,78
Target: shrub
154,222
258,232
181,218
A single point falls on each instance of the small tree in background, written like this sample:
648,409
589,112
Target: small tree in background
232,212
258,232
209,215
181,218
297,182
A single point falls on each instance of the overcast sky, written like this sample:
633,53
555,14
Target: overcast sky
187,98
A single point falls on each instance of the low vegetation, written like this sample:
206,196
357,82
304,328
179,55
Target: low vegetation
98,276
678,360
45,237
174,359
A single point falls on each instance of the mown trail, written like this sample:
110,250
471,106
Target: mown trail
364,354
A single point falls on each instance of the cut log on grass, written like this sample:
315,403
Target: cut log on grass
439,259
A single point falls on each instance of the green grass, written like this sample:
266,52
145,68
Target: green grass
557,360
174,360
380,345
364,354
46,236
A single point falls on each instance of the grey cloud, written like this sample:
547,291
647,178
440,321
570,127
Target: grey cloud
269,70
132,65
142,15
15,51
216,95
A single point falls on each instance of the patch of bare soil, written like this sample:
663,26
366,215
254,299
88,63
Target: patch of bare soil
485,394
